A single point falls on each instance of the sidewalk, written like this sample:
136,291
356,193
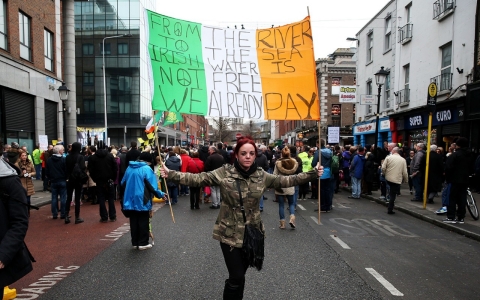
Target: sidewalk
470,229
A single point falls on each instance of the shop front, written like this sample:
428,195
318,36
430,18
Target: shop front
364,132
446,126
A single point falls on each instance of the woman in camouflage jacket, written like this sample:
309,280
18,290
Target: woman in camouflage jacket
229,227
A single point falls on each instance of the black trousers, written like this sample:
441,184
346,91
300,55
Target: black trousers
106,193
458,197
139,227
304,189
194,197
76,187
236,265
394,191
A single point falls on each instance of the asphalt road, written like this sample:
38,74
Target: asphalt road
357,252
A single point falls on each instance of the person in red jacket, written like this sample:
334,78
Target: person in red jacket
183,168
195,165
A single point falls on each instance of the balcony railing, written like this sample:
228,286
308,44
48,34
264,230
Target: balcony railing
403,97
442,8
405,33
443,81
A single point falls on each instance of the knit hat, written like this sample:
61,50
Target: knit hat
15,145
146,157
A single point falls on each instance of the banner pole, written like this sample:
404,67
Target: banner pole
161,164
319,136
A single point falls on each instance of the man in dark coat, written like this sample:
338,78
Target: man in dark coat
223,153
435,173
133,153
103,170
203,153
213,162
15,259
73,184
457,169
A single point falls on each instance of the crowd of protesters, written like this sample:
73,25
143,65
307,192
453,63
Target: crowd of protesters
363,168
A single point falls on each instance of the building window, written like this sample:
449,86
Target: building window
406,91
336,115
370,47
24,36
48,49
388,33
387,91
408,12
369,92
87,49
445,80
88,78
122,48
336,82
107,48
3,25
88,105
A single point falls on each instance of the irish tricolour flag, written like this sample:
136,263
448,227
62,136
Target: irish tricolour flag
236,73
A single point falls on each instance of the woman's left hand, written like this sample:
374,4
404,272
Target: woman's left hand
319,169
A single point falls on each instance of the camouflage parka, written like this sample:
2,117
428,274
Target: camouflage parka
229,227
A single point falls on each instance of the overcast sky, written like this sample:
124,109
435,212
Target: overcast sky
332,20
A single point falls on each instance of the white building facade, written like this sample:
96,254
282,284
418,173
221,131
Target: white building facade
417,42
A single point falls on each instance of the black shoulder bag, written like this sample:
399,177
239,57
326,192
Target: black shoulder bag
253,240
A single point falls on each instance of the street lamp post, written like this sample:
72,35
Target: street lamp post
380,78
105,81
63,94
188,129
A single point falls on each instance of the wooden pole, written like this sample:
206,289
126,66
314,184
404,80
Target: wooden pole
429,135
161,164
319,139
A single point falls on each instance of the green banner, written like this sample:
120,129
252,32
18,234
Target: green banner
175,48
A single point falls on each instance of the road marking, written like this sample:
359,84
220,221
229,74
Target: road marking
342,206
315,220
340,242
301,207
384,282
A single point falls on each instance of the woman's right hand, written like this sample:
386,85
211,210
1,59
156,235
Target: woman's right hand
164,171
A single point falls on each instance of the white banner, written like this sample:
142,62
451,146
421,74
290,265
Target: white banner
333,135
347,94
43,142
367,100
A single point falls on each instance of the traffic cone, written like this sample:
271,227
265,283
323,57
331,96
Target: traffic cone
9,293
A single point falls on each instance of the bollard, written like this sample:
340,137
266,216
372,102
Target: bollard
9,294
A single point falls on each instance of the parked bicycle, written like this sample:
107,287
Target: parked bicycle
472,205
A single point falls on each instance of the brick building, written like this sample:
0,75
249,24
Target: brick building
30,70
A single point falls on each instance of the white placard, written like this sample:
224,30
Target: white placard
385,125
333,135
347,94
43,142
367,100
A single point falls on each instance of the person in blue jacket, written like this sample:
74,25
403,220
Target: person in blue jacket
140,183
326,196
356,172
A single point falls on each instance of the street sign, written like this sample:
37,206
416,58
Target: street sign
432,94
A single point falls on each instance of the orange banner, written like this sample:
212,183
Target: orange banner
288,72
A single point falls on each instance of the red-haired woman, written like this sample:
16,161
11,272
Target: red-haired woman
241,182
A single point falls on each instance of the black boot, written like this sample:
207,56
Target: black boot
67,219
233,290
